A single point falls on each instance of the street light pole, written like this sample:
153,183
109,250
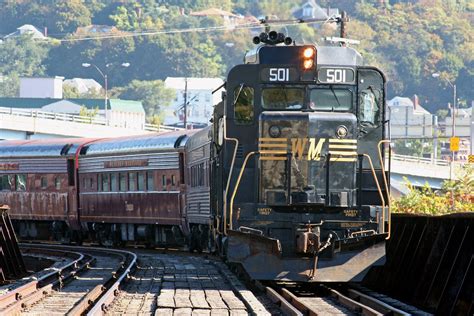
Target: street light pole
87,65
453,114
104,75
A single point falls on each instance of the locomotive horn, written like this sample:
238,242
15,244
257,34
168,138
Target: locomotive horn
273,35
288,40
256,40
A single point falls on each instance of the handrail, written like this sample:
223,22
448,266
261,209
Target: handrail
224,219
237,185
378,189
386,185
80,119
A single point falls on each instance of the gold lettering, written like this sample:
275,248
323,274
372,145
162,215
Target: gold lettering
314,152
351,213
264,210
351,225
297,147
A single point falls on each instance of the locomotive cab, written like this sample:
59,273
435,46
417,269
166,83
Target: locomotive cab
304,197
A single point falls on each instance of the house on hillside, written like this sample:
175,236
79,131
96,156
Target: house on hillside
311,10
228,17
27,29
200,100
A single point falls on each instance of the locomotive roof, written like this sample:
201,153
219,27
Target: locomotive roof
326,55
142,143
40,147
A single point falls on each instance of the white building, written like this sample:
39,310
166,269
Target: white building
40,87
462,122
199,99
409,119
83,85
27,29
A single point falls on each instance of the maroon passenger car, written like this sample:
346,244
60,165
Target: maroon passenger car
132,189
37,181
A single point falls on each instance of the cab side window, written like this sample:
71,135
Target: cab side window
243,105
368,106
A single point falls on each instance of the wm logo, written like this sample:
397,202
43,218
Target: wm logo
341,150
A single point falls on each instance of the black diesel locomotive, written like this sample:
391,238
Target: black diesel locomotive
298,189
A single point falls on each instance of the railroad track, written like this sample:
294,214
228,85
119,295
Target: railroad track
73,287
177,284
326,300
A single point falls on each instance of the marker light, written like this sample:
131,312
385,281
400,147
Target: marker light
308,52
308,63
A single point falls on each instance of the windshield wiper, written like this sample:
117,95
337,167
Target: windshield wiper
335,96
238,94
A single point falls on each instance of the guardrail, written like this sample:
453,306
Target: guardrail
81,119
438,162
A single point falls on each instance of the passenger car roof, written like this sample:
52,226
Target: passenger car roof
143,143
56,147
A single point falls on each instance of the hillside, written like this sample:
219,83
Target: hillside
409,40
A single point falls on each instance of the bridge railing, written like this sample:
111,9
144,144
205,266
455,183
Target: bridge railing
438,162
80,119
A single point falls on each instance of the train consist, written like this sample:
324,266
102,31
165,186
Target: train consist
287,182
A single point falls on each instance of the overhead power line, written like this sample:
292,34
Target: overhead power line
251,25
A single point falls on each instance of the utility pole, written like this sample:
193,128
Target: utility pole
185,102
106,95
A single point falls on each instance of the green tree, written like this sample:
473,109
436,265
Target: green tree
85,112
69,14
20,56
154,95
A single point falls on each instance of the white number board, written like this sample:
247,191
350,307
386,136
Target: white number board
336,75
279,74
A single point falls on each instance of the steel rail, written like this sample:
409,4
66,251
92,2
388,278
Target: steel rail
13,301
101,306
97,300
354,302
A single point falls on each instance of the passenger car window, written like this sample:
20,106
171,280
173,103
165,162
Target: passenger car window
113,182
44,182
243,107
132,181
57,183
150,184
141,182
20,182
7,182
122,182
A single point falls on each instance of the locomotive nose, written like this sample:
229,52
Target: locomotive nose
308,158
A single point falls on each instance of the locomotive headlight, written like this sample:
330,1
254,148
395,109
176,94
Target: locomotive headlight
308,63
274,131
341,131
308,52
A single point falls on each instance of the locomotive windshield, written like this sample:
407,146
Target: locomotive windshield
331,99
282,98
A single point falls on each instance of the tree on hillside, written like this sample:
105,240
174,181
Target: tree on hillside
20,56
59,17
154,95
